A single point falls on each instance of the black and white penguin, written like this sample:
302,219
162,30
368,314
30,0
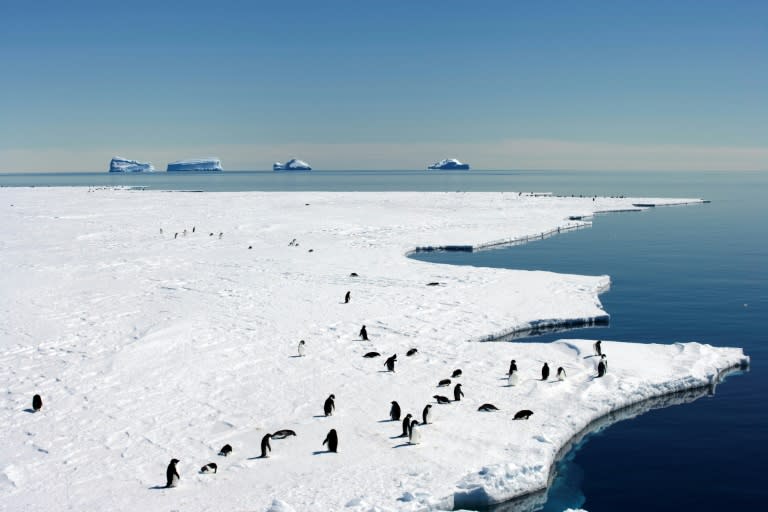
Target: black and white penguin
604,359
512,367
371,354
406,425
347,296
301,348
443,383
414,434
487,408
211,467
265,446
330,405
426,415
523,415
456,373
332,440
394,411
37,403
561,373
353,274
364,333
171,475
225,450
411,352
598,348
282,434
390,363
441,399
545,372
600,369
512,378
457,392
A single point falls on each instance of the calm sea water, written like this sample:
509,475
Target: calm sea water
695,273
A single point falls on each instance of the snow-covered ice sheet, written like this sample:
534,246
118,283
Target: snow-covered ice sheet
147,346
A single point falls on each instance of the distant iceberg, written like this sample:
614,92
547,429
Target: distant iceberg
293,164
198,165
449,164
120,164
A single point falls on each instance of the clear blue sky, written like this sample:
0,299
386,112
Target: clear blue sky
99,78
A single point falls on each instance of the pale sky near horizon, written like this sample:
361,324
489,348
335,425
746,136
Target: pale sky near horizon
617,85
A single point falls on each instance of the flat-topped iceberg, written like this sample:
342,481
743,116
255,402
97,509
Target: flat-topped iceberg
120,164
450,164
294,164
196,164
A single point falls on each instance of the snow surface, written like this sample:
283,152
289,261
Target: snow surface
147,346
120,164
448,164
292,165
197,164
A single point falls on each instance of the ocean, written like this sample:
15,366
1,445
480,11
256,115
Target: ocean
694,273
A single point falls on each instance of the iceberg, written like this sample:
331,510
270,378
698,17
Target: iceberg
450,164
196,165
294,164
120,164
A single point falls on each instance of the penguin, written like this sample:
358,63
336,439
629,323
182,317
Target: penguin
193,228
456,373
371,354
394,411
426,415
332,440
210,467
175,236
225,450
406,425
457,392
512,367
561,373
347,297
414,435
390,363
598,348
443,383
411,352
364,333
301,348
265,446
441,399
330,405
512,379
600,369
523,415
171,475
282,434
487,408
161,231
353,274
604,359
37,403
545,372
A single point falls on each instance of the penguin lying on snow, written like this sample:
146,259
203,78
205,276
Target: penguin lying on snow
282,434
411,352
523,415
371,354
441,399
487,408
443,383
211,467
225,450
456,373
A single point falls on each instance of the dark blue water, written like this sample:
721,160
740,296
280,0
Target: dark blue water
695,273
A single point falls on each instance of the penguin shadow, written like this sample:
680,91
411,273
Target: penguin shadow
322,452
385,371
398,437
319,416
402,445
386,421
156,487
587,357
30,410
258,457
295,356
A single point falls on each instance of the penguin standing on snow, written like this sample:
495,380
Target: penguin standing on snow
394,412
364,333
512,367
332,440
513,378
545,372
604,359
426,415
414,435
265,446
406,425
598,348
561,373
600,369
347,297
390,363
457,393
37,403
330,405
171,475
301,348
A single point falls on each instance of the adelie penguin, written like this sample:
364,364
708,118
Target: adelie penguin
561,373
394,411
371,354
406,425
414,434
390,363
411,352
265,446
37,403
364,333
211,467
225,450
347,296
332,440
171,474
600,369
426,415
443,383
282,434
512,378
301,348
598,348
441,399
457,392
487,408
456,373
523,415
545,372
330,405
604,359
